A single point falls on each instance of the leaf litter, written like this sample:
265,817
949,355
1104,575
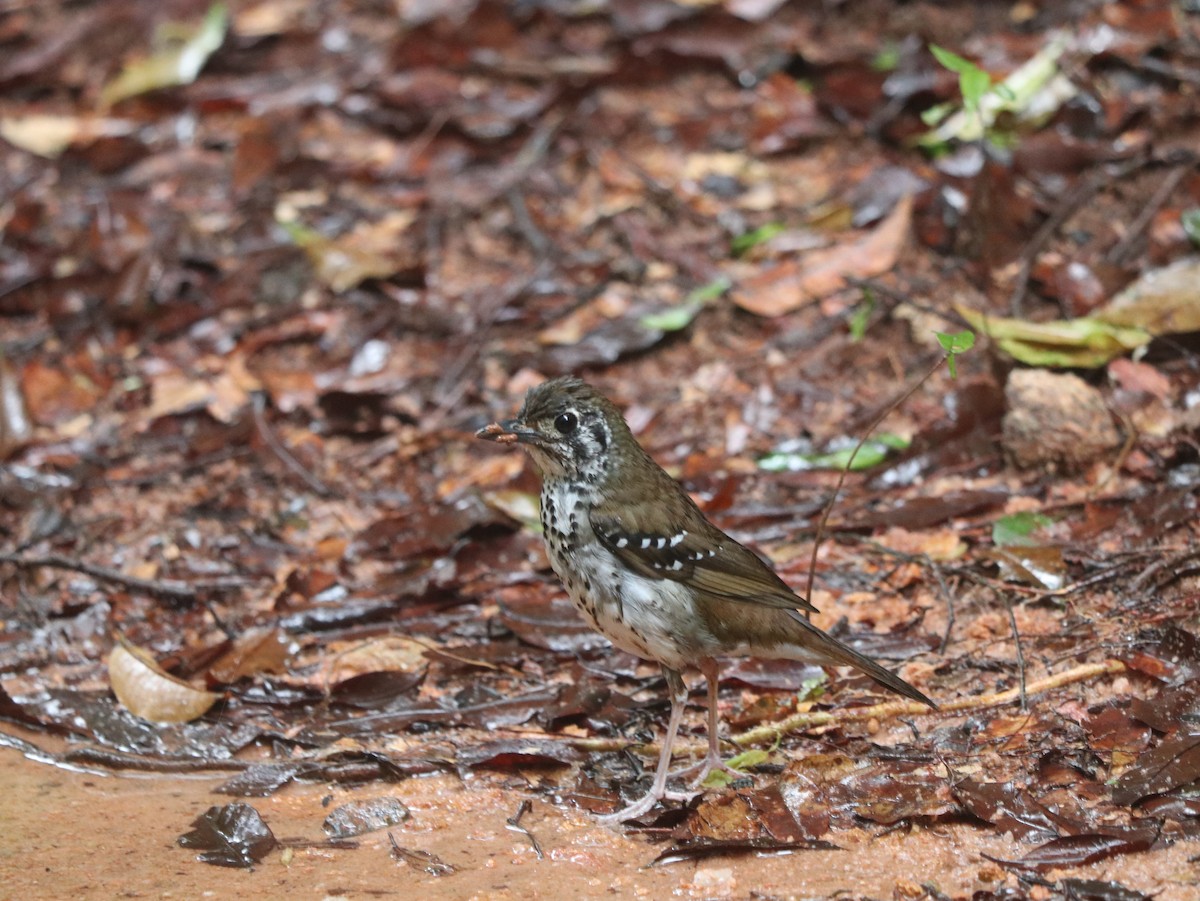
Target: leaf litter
249,317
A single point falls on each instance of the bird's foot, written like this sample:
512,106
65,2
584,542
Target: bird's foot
705,767
642,806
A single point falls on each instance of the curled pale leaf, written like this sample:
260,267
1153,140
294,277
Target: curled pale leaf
1069,343
177,62
146,691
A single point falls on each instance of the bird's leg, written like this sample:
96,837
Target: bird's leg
712,760
658,789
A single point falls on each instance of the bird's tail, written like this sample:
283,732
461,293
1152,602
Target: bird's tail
836,653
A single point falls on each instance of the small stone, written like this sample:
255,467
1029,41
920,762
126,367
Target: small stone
1055,420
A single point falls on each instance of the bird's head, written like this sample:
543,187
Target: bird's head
569,429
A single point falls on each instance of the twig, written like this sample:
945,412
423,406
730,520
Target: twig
277,448
166,588
771,732
820,533
1120,251
513,823
911,708
1012,621
1146,575
1077,197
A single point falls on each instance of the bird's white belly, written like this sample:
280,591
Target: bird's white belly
639,615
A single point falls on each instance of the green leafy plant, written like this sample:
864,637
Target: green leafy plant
757,236
954,344
1029,95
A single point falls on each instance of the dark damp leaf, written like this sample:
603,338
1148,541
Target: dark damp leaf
94,715
548,621
510,753
320,617
594,704
607,343
776,675
774,816
261,779
376,691
928,511
1164,510
421,860
1164,652
277,695
1097,890
1077,850
1113,729
700,848
887,795
489,713
1011,808
230,836
1175,806
1175,762
1167,711
360,817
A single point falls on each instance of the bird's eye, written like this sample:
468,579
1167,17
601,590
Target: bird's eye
567,422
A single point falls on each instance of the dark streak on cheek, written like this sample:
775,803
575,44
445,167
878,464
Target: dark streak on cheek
599,437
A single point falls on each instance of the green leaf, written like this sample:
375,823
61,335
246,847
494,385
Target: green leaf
1190,220
743,761
974,84
811,689
861,316
873,452
711,291
672,319
680,316
1017,528
955,343
951,61
760,235
887,59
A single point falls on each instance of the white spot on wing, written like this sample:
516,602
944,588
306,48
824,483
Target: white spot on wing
622,541
678,538
646,543
662,542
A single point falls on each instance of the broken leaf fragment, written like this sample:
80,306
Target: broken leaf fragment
1083,343
873,452
371,250
149,692
1163,301
181,54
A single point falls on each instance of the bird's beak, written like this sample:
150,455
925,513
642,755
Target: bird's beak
510,431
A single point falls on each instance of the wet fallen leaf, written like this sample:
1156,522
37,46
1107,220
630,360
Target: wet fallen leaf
1071,343
150,693
230,836
1161,302
794,283
370,250
361,817
15,428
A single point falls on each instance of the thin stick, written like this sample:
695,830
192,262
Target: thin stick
771,732
166,588
820,534
1012,621
277,448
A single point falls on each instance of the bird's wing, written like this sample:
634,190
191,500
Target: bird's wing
699,554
